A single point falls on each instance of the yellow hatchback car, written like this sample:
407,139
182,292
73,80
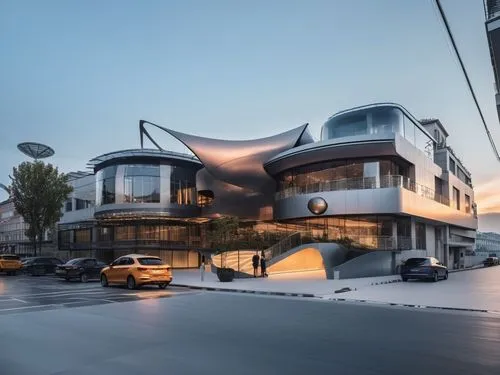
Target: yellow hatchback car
135,270
10,263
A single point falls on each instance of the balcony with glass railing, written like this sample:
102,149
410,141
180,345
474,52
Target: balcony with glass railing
390,181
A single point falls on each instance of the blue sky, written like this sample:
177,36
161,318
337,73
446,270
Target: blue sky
79,75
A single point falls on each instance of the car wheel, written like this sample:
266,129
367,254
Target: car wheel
104,280
13,273
84,277
66,278
131,282
405,279
446,276
436,277
162,286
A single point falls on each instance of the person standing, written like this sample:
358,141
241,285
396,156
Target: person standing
263,272
255,263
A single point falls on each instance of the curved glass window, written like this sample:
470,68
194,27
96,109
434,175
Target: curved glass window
141,184
378,120
146,183
341,175
105,189
369,121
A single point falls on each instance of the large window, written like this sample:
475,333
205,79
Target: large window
125,233
105,190
371,121
83,235
456,198
182,186
420,236
452,166
141,184
467,204
341,175
373,232
146,183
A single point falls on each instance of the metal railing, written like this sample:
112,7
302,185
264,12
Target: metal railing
390,181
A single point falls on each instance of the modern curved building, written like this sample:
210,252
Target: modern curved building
377,187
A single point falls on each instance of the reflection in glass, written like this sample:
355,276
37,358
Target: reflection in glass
143,183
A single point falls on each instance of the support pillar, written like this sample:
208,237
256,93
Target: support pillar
413,234
446,246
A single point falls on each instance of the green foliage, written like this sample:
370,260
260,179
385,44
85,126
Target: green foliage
223,232
39,192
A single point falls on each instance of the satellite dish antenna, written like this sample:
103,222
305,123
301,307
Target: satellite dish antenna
35,150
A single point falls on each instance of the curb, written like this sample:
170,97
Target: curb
247,291
309,295
411,305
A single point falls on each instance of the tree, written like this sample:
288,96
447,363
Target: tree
223,234
39,192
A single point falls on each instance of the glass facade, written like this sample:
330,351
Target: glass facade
105,186
378,120
347,174
144,183
141,184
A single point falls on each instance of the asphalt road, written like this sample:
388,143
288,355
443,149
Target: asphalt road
27,294
214,333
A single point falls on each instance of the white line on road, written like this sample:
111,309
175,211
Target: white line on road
19,300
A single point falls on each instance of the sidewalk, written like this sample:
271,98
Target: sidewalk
308,284
478,290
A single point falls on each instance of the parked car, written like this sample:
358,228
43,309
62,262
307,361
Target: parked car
427,268
491,261
135,270
83,269
10,264
37,266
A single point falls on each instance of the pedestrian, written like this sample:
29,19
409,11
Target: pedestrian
255,263
263,272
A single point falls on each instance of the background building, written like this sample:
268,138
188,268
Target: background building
12,233
488,242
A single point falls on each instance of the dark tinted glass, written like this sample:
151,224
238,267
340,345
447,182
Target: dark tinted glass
150,261
74,261
412,262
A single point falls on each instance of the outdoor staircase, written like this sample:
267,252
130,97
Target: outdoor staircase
241,260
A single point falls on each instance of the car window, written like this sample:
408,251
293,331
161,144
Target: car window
73,261
100,264
89,263
129,261
149,261
54,261
124,261
116,262
414,262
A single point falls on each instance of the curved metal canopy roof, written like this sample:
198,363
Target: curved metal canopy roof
236,162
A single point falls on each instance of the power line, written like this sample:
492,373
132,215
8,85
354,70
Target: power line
445,21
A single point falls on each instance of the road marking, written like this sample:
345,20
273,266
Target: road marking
19,300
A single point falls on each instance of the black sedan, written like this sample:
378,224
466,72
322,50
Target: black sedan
83,269
427,268
38,266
